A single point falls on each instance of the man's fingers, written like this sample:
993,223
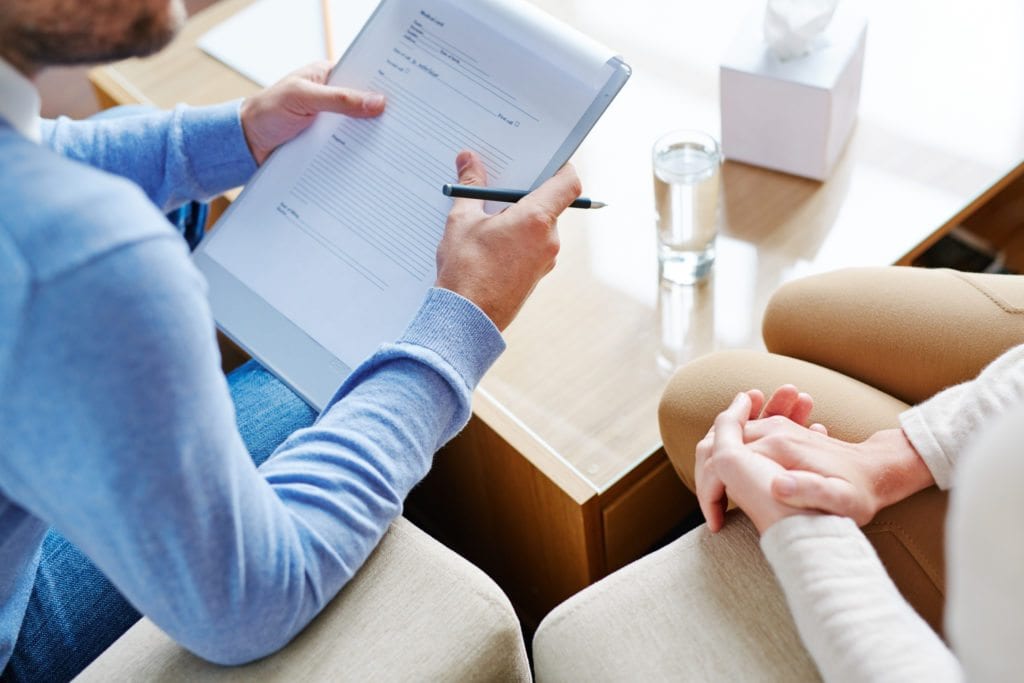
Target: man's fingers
317,72
553,196
348,101
811,491
471,171
819,428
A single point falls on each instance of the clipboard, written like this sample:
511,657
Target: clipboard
499,76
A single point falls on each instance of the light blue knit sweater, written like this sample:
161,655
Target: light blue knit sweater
116,426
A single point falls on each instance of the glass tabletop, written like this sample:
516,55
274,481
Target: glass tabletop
594,347
938,130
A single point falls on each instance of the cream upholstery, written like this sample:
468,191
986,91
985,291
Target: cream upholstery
908,536
863,342
416,611
704,608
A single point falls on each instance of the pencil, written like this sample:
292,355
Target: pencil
325,11
496,194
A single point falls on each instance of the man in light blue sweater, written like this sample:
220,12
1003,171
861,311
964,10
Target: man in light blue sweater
119,430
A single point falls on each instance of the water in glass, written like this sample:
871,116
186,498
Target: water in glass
686,188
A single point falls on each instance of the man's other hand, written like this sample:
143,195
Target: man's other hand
496,261
285,109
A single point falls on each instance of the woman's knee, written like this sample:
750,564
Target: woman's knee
901,330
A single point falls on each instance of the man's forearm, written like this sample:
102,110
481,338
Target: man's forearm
175,156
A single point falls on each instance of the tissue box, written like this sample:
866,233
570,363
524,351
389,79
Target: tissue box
796,115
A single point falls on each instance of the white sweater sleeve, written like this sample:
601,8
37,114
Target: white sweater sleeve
850,615
940,427
985,594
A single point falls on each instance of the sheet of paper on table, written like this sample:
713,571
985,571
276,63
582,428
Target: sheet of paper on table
272,38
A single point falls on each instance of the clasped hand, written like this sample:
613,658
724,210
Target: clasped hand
772,465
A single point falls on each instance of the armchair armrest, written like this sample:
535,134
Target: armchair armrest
706,607
416,610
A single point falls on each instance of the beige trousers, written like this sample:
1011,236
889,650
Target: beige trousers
865,343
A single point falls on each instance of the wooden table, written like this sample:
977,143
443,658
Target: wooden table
560,477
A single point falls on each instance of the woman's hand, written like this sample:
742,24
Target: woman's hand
786,403
745,475
853,480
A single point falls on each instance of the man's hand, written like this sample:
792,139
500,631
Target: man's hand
854,480
747,476
785,403
285,109
496,261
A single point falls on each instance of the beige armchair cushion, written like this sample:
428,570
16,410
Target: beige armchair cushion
415,611
704,608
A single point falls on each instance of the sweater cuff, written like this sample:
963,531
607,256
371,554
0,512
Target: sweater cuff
927,446
454,328
216,148
795,528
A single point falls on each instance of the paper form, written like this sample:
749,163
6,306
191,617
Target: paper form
338,232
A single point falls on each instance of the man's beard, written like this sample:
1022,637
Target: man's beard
43,46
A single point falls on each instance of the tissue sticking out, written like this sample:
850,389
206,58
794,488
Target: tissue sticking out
792,27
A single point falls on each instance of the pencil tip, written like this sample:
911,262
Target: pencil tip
597,205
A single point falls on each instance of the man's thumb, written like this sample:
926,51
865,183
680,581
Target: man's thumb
471,169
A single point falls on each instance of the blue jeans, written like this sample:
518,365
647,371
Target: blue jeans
74,613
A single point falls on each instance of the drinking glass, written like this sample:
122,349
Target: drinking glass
687,181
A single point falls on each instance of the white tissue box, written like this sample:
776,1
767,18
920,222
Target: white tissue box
796,115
